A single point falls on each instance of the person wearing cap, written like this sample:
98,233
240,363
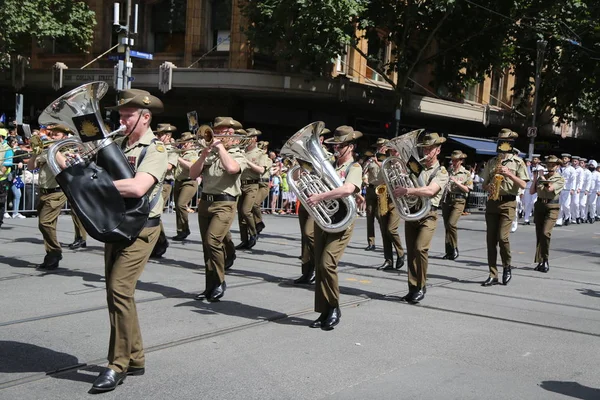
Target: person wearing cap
530,198
250,179
576,190
454,199
124,262
263,186
164,133
548,187
375,178
185,187
6,162
568,172
330,246
221,164
419,233
51,202
594,198
500,213
586,185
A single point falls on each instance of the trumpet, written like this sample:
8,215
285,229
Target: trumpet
206,136
38,146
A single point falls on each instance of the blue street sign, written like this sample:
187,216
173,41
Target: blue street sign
139,54
116,57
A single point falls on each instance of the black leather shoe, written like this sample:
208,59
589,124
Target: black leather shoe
416,297
229,262
251,242
217,292
317,322
242,246
202,296
370,247
506,275
136,371
181,236
305,279
537,268
400,262
78,243
566,222
160,249
108,380
544,267
51,261
333,318
526,223
259,227
388,265
490,281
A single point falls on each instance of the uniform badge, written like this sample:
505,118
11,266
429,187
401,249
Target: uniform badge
146,100
160,148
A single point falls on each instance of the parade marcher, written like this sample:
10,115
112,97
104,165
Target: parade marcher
419,233
576,190
124,262
506,173
185,187
519,208
594,192
530,198
263,186
6,161
220,164
567,172
51,202
375,178
164,134
586,185
330,246
454,199
548,188
250,179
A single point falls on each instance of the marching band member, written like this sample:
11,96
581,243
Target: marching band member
567,172
375,178
500,213
185,187
329,247
454,200
250,179
548,188
263,186
124,262
576,189
419,233
220,165
528,197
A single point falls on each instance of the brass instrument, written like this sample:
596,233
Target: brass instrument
38,146
206,136
447,186
494,186
382,199
313,174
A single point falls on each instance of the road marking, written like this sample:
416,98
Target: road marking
526,354
365,281
352,279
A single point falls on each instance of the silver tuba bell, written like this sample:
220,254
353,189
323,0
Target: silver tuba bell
314,173
397,172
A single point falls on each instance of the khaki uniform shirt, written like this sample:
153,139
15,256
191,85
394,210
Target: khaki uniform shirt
463,176
265,161
557,181
216,180
375,174
515,164
253,156
441,178
154,163
46,178
351,172
181,173
172,157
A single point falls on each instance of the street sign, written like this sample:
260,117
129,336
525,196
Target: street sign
532,131
139,54
116,57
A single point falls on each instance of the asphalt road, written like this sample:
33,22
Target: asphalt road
536,338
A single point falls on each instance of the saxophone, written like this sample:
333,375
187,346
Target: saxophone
382,199
494,189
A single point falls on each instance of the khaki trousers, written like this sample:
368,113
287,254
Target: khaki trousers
418,239
329,248
263,193
166,193
307,234
545,216
123,265
451,212
215,219
245,206
48,210
388,224
499,216
372,212
79,230
184,193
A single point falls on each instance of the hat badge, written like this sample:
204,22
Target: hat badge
122,101
146,100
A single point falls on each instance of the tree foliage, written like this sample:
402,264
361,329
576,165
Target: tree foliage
68,21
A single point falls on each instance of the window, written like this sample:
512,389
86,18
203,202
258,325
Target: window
168,26
220,24
497,89
472,93
378,53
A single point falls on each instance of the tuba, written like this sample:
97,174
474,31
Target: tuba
397,171
86,165
314,173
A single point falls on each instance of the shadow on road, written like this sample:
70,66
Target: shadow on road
572,389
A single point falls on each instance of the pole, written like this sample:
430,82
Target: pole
541,49
128,65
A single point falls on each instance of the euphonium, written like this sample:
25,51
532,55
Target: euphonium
314,173
397,173
382,200
494,189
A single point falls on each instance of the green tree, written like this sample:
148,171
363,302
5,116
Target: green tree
67,21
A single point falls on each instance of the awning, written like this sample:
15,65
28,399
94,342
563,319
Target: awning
481,146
